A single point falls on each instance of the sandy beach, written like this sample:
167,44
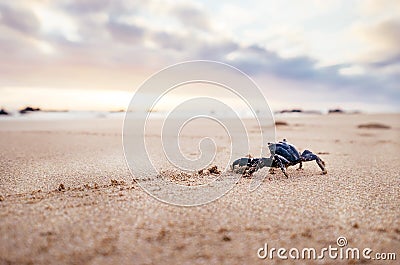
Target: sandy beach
67,197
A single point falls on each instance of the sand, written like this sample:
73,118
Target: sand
67,197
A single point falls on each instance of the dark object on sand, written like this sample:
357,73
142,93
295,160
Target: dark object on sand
28,109
211,170
3,112
214,170
281,123
284,155
336,111
291,111
61,187
373,126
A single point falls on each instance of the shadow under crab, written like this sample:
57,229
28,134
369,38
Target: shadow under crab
283,155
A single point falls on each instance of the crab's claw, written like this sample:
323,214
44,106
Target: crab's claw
285,173
307,155
321,165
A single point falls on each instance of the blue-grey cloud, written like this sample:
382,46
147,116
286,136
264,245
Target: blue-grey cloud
22,20
191,16
127,33
87,6
257,61
168,41
213,50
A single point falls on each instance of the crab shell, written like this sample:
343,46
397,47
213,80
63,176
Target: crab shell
286,150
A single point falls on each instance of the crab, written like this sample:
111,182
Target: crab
284,155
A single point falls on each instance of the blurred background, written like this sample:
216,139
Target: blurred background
304,55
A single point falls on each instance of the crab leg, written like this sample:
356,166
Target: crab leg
307,155
239,163
280,164
300,166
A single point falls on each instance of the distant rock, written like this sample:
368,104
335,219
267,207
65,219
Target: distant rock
281,123
290,111
373,126
3,112
299,111
331,111
29,109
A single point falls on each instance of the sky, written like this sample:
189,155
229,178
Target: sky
93,54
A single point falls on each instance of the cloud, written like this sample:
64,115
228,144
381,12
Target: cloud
364,86
169,41
386,39
129,33
217,50
20,19
377,8
191,16
87,6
